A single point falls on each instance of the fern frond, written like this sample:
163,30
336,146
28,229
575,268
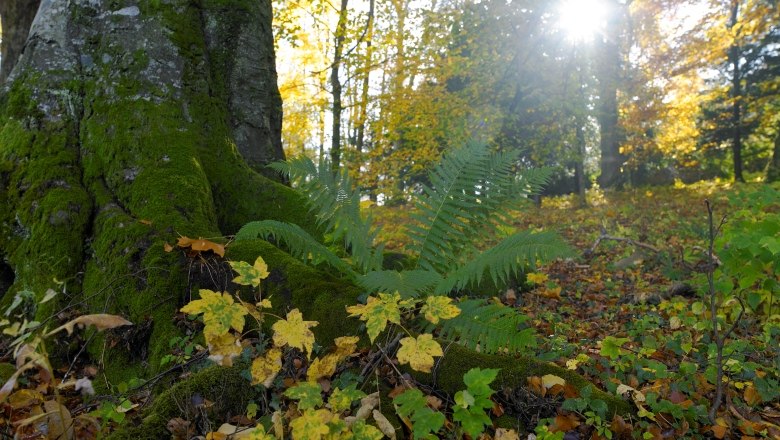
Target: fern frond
334,201
300,244
472,192
487,327
409,283
505,259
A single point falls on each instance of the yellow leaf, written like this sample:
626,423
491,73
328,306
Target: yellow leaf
294,331
536,278
439,307
506,434
322,367
223,348
201,245
377,312
101,321
220,313
265,304
751,396
346,345
265,368
312,425
419,353
549,380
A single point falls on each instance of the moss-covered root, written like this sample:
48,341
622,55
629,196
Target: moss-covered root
225,387
457,360
291,284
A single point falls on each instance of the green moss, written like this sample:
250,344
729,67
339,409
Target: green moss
514,370
46,209
225,387
6,371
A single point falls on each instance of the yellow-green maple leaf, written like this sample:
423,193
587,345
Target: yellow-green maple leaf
322,367
439,307
346,345
265,368
249,275
312,424
377,312
294,331
220,312
419,352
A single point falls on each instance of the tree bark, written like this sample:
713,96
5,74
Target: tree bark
608,72
16,17
773,170
335,84
121,129
736,97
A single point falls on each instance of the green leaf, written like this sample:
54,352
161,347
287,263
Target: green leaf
478,380
341,400
408,402
308,395
610,346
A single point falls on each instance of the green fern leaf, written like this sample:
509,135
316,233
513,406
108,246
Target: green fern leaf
487,327
301,245
408,283
336,205
505,259
472,192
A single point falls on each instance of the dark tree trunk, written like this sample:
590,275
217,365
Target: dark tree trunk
16,17
123,128
608,70
773,171
736,97
335,84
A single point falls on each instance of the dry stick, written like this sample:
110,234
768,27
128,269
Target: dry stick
605,236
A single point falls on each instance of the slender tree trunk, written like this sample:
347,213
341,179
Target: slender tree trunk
773,171
736,97
608,72
335,84
16,17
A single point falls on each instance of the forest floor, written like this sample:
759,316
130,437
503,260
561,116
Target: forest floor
633,308
631,313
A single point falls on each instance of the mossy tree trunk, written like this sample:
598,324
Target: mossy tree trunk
124,125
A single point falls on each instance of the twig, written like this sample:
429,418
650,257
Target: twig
605,236
719,340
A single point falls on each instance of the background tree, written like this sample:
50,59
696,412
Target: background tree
16,16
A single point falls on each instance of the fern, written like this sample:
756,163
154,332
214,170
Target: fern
409,283
336,205
487,327
507,258
472,192
300,243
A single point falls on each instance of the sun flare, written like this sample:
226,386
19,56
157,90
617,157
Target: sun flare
581,20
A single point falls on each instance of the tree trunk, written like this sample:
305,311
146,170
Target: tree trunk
121,129
736,97
16,17
335,84
773,171
608,72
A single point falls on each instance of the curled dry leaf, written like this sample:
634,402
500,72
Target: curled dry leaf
383,424
101,321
